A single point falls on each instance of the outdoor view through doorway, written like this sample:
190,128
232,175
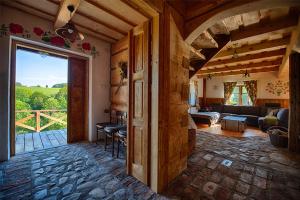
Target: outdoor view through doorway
41,100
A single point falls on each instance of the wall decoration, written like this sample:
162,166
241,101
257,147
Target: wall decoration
14,29
123,65
87,48
278,87
47,37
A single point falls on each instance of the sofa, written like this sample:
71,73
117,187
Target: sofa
254,114
281,118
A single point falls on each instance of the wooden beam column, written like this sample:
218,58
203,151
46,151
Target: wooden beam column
204,92
294,119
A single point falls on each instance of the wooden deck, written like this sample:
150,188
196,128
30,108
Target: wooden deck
34,141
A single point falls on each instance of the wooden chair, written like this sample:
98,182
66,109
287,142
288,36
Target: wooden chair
111,130
122,139
100,126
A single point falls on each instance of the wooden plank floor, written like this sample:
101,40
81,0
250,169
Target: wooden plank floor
34,141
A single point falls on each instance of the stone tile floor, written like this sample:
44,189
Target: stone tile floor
77,171
220,168
238,168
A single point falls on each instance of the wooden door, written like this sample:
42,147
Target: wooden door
139,103
77,100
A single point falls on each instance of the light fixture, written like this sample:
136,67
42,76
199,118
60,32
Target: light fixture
246,74
69,31
209,76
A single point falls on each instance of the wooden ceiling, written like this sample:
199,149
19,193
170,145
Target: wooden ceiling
255,41
108,20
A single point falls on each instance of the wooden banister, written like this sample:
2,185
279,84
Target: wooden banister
37,114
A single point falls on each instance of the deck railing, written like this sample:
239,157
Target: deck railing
37,114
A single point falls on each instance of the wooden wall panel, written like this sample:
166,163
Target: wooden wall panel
119,94
283,102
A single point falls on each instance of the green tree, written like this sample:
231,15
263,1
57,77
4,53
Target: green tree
59,85
37,100
23,94
62,97
51,104
20,105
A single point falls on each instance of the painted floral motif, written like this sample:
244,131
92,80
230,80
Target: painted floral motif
278,87
38,31
46,36
88,48
13,29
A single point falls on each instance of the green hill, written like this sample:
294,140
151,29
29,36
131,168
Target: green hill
45,91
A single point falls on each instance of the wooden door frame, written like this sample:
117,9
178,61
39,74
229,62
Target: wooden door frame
54,51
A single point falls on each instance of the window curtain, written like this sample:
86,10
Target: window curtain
251,87
228,89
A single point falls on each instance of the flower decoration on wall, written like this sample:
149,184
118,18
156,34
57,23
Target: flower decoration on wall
45,36
52,38
13,29
86,47
278,87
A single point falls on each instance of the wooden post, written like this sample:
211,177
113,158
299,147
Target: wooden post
38,121
204,92
294,118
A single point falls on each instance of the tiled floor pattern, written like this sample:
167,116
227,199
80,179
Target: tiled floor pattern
220,168
238,168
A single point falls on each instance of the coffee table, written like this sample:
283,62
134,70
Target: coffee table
234,123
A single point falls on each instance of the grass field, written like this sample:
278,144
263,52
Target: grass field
46,91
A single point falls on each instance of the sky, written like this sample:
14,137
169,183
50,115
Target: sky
34,69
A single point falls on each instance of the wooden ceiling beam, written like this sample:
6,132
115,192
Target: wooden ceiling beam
103,36
222,40
63,15
264,27
135,7
197,52
278,43
241,67
294,39
249,57
111,12
89,17
251,71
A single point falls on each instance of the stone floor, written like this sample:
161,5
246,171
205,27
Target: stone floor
77,171
220,168
238,168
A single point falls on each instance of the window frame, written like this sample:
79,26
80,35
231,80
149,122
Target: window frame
240,96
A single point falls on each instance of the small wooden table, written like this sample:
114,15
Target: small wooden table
234,123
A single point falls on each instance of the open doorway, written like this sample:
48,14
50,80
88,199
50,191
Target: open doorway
49,98
41,98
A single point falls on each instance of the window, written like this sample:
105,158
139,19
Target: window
240,96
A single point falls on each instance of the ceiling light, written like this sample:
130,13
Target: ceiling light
246,74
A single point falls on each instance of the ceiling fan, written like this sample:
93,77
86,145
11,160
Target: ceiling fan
69,30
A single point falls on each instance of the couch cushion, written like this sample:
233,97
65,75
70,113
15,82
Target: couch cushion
250,110
283,117
216,108
231,109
